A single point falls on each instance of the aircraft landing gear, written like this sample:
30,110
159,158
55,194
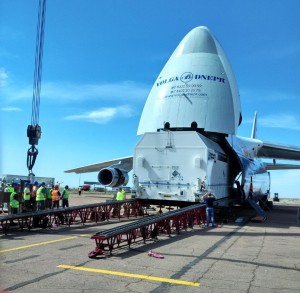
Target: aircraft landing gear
266,204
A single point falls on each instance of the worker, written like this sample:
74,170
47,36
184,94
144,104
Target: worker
65,197
33,195
49,197
121,194
14,206
209,199
55,197
14,203
9,188
79,191
41,196
26,197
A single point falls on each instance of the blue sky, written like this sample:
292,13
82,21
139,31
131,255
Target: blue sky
101,59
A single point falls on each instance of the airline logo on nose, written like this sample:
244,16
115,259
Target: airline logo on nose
188,76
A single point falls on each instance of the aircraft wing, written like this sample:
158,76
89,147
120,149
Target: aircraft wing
122,163
282,152
276,166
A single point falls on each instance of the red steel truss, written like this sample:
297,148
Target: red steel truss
148,227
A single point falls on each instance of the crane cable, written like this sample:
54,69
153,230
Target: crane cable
34,130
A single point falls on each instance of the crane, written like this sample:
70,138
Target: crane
34,130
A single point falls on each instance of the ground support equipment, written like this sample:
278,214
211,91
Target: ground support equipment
146,228
67,216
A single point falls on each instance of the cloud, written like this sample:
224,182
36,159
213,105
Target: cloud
3,77
66,92
10,109
103,115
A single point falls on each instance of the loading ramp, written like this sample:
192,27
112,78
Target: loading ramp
67,216
146,228
260,212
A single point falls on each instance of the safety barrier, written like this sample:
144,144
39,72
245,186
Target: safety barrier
145,228
66,216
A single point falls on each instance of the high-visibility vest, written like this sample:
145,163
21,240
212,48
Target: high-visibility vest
120,195
40,194
26,193
55,195
12,195
65,194
9,189
49,193
14,204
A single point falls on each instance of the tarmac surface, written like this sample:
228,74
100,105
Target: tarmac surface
253,257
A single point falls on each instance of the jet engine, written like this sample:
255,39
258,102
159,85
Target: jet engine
112,177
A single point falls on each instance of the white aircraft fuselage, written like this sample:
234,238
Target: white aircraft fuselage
188,126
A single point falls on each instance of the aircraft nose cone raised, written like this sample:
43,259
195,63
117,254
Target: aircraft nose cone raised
196,85
198,40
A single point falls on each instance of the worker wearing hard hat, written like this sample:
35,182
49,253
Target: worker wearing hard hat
26,197
41,196
55,197
65,197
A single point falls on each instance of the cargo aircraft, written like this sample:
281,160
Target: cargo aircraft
189,144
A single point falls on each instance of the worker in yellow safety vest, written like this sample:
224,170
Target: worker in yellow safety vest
14,203
48,202
55,197
26,197
41,196
9,188
65,197
121,194
14,206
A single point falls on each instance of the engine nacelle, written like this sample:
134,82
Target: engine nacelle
112,177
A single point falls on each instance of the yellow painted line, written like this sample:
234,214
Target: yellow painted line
37,244
151,278
86,235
